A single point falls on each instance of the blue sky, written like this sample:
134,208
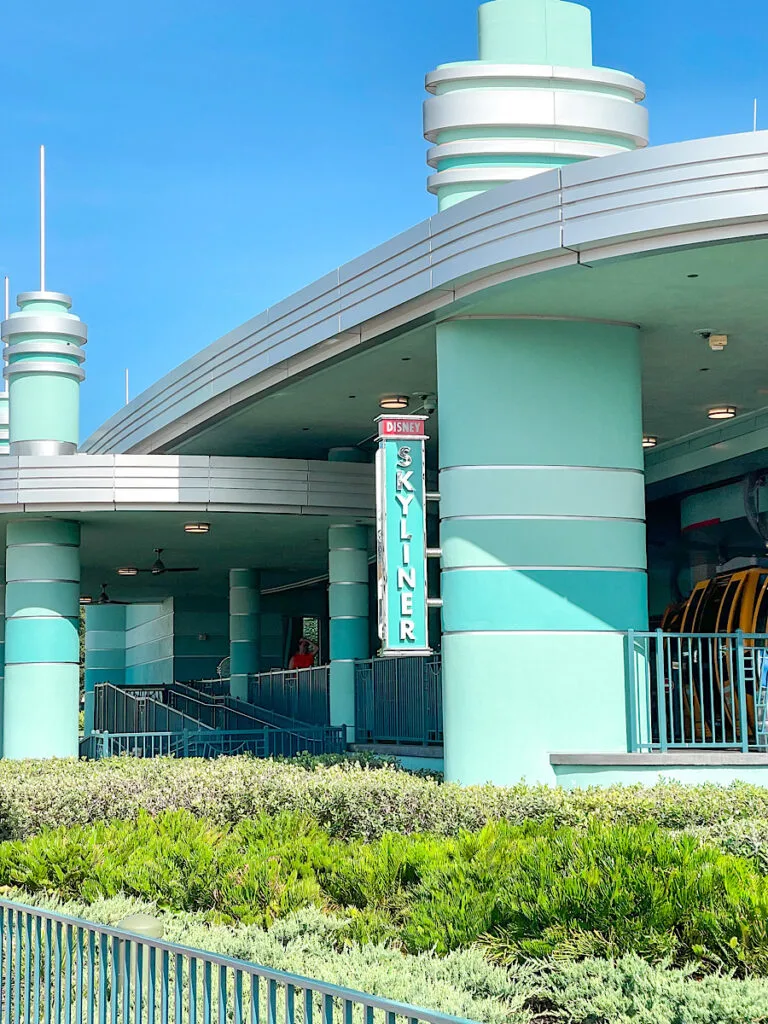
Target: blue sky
207,159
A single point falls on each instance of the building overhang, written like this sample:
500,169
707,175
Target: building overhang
674,197
85,483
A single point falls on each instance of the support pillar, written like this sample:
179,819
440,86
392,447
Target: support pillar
104,652
42,673
348,611
244,629
543,538
2,654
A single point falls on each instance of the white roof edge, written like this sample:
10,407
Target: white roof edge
687,193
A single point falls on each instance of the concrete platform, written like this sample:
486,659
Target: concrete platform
574,770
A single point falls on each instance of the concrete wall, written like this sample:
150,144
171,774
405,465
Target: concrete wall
149,644
201,637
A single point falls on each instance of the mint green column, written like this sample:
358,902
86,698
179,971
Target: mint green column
42,651
244,629
348,613
543,538
5,438
44,371
2,654
104,652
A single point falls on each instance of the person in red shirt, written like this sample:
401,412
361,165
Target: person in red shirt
305,656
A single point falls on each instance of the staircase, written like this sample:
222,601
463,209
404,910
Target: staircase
181,721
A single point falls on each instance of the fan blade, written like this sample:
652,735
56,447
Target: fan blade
195,569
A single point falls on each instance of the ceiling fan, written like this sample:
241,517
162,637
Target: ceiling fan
104,597
159,567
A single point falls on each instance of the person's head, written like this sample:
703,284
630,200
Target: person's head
303,645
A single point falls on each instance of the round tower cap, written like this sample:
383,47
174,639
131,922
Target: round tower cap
46,296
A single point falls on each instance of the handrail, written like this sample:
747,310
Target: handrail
697,690
108,969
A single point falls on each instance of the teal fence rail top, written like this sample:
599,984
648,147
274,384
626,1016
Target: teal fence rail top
58,970
697,690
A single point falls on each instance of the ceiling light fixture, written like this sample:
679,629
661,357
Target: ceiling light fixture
128,570
197,527
86,599
649,441
722,412
394,402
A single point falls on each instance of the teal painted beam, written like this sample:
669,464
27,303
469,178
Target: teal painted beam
40,714
244,629
543,539
348,612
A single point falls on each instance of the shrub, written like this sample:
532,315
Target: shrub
350,800
532,891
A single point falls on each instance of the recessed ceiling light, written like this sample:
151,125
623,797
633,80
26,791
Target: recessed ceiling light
127,570
353,396
704,369
197,527
693,275
406,359
649,441
393,402
722,412
86,599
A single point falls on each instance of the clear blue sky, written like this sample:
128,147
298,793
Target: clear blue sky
207,159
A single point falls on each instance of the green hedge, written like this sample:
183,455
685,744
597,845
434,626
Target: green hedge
349,800
626,991
523,891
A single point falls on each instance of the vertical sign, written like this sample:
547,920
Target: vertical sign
401,541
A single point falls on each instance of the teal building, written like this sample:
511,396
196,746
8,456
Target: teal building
582,323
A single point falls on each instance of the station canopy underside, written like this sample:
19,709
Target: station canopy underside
288,549
669,294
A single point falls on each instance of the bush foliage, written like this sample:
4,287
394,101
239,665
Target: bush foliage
524,891
348,799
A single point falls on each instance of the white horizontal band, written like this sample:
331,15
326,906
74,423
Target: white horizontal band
47,366
41,324
475,73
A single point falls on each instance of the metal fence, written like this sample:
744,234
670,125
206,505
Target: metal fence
210,743
143,726
120,709
697,690
298,693
58,970
399,700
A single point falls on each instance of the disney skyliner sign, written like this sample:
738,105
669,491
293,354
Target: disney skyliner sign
401,536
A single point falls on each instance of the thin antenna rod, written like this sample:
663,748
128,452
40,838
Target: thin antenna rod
127,393
42,218
754,117
7,297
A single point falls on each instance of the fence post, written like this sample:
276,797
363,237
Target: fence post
105,744
631,695
742,691
661,692
185,742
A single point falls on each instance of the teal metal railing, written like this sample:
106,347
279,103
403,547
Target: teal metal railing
119,709
58,970
297,693
399,700
143,726
697,690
